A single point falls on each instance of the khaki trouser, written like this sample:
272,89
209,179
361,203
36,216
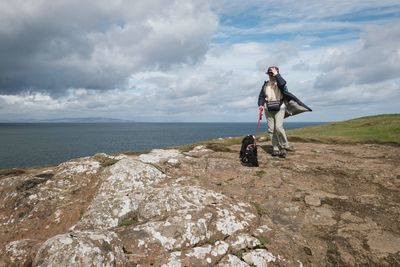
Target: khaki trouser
275,128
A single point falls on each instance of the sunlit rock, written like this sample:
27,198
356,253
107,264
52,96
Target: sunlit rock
89,248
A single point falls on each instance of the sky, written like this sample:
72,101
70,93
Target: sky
196,60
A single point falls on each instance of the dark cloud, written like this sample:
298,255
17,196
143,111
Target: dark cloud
55,45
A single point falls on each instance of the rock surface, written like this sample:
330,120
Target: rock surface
89,248
337,207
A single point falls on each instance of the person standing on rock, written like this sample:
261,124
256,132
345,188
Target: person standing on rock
278,103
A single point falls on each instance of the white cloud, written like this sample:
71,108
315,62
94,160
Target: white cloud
154,61
56,45
374,60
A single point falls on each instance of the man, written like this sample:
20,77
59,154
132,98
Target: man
278,103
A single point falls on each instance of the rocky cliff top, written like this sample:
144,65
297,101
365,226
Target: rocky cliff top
324,205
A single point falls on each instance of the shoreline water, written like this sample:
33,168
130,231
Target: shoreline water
25,145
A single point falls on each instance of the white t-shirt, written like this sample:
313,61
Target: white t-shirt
272,92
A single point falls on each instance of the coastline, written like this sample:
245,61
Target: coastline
28,145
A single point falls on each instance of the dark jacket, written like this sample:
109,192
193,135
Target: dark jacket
293,104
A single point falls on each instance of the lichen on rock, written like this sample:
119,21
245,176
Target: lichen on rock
86,248
145,210
120,193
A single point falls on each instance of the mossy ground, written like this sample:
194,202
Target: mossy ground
382,129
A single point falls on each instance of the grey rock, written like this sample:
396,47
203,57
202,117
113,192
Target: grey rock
88,248
259,257
232,260
120,193
312,200
176,217
174,162
159,155
20,252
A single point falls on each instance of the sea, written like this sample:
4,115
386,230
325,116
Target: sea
41,144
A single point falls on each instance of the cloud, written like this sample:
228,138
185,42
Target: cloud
195,61
374,60
219,87
361,94
53,46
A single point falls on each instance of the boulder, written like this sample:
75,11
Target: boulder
179,217
19,253
258,258
120,194
86,248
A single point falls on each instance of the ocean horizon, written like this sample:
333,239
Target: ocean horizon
40,144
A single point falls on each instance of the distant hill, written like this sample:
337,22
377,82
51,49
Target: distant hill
372,129
86,120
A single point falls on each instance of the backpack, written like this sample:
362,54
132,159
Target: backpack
248,151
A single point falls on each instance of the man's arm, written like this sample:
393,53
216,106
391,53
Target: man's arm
280,82
261,96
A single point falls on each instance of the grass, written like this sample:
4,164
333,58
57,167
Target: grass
383,129
240,253
378,129
211,241
104,161
260,210
128,219
331,247
127,222
260,173
263,240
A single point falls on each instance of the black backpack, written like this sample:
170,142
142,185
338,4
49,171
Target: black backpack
248,152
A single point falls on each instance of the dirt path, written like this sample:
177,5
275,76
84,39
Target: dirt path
334,205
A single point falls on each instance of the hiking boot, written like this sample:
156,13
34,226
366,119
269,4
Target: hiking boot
282,153
275,153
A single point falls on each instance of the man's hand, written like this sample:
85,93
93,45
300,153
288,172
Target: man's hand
274,71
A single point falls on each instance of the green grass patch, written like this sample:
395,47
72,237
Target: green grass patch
260,210
331,247
128,219
240,253
127,222
260,173
263,240
211,241
105,161
135,153
383,129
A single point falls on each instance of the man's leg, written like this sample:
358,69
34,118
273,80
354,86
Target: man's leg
280,131
272,131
